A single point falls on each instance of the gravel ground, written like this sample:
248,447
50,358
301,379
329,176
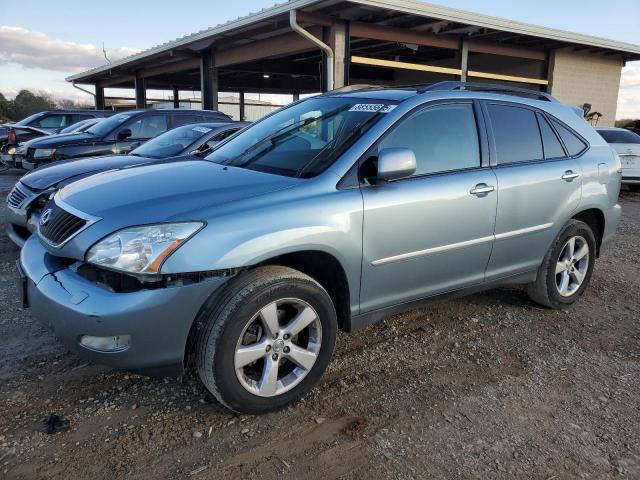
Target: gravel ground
489,386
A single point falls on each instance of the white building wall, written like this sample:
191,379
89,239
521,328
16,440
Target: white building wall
577,78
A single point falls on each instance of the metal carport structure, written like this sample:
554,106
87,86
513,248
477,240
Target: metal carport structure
306,46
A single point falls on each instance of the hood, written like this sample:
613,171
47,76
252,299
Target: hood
53,141
55,173
167,191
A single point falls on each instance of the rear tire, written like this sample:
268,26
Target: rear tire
567,267
634,188
265,340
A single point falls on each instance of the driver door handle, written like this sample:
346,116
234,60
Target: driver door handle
482,189
569,175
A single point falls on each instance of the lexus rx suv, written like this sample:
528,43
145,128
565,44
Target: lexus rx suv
327,215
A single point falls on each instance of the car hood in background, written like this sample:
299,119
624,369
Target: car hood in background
54,141
167,190
57,172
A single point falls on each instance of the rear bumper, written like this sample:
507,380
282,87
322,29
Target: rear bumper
612,218
631,180
158,321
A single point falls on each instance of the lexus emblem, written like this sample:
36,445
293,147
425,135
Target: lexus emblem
45,217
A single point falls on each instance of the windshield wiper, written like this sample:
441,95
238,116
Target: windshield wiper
270,138
332,147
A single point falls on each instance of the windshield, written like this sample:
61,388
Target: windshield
304,139
78,126
108,124
173,142
30,119
619,136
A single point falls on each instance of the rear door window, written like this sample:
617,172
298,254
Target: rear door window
575,145
78,117
185,119
516,134
552,146
148,126
52,121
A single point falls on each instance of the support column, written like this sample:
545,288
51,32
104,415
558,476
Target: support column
296,95
340,45
176,98
141,93
326,38
208,80
99,98
464,59
241,102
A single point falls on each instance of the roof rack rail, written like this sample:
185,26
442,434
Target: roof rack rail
486,87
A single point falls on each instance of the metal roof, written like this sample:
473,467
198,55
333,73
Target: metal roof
410,7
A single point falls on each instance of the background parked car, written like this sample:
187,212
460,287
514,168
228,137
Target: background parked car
119,134
627,144
14,154
31,193
80,126
41,123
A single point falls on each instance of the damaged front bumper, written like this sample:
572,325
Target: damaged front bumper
155,322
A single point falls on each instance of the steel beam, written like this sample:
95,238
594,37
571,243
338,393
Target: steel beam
176,97
241,103
208,80
141,92
99,98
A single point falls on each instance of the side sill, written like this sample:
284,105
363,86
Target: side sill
364,319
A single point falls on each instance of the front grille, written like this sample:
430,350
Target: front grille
16,197
57,225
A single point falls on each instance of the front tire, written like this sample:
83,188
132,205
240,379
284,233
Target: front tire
266,339
567,267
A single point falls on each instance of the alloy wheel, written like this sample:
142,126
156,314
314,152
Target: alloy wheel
278,347
572,265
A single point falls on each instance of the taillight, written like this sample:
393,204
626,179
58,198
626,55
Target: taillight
11,135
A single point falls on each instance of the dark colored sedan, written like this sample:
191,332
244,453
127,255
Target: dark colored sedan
31,193
120,133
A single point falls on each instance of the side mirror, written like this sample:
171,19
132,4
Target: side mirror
395,163
124,134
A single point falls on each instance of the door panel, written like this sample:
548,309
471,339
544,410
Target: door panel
533,201
425,235
538,187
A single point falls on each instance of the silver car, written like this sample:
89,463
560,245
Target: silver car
627,144
329,214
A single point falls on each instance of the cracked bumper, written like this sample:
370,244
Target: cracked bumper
158,320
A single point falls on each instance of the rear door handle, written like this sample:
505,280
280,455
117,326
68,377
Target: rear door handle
482,189
569,176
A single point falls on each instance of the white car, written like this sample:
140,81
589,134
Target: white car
627,144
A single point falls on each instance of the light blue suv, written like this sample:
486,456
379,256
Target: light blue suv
329,214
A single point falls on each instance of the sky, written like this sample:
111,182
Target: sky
49,41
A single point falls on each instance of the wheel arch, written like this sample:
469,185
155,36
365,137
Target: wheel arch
594,217
322,266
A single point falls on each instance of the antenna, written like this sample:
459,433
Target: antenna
104,52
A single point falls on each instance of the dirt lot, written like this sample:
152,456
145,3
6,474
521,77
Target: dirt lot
489,386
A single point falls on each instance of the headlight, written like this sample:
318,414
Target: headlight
141,249
44,153
11,150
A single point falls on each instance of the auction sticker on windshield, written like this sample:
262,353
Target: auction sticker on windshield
372,107
201,129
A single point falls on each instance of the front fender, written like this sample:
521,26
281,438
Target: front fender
326,222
